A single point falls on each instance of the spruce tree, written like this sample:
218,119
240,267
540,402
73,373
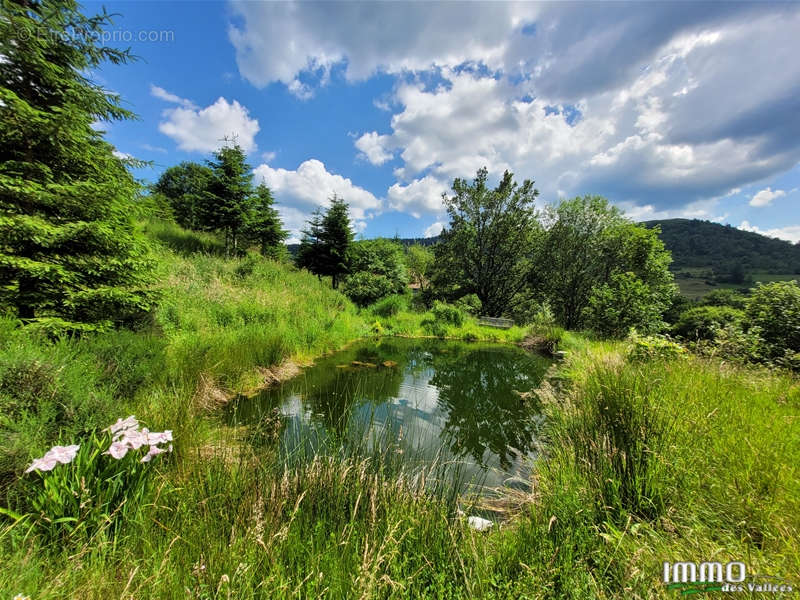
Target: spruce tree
264,225
336,238
310,253
184,186
70,256
229,197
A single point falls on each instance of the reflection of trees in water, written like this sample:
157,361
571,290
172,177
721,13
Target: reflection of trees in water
477,391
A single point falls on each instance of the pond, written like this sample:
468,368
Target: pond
426,400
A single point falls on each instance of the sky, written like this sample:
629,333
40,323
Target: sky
668,109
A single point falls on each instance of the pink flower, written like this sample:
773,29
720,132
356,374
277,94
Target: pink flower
122,426
56,454
159,438
154,451
117,449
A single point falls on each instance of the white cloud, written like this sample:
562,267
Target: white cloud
203,129
268,157
434,229
277,41
373,148
789,233
162,94
300,191
150,148
421,196
765,197
122,155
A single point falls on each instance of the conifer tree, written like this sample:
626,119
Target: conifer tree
70,257
310,253
264,225
229,197
336,238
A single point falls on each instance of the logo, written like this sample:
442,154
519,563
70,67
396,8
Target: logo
693,578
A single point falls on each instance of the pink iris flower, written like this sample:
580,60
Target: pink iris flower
56,454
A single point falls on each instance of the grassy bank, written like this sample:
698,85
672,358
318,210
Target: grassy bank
647,460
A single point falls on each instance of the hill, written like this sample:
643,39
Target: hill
702,244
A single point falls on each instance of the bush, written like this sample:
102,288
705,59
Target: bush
702,322
656,347
775,309
365,288
725,298
389,306
624,303
470,304
447,314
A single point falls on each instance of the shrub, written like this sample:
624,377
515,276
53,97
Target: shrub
656,347
447,314
701,322
730,298
389,306
624,303
365,288
470,304
775,309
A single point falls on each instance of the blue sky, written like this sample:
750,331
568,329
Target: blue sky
668,109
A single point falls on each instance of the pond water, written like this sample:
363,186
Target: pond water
427,400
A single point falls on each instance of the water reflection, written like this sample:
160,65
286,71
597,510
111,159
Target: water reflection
448,398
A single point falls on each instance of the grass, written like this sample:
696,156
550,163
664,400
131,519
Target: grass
645,461
696,287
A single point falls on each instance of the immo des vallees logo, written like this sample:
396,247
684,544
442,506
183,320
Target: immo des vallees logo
692,578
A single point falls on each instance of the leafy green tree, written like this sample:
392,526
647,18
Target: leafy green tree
185,187
70,256
381,257
229,197
623,303
775,309
487,245
586,242
419,260
264,225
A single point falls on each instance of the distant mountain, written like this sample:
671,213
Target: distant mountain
724,249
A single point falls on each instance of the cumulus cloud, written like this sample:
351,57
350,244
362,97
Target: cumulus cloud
162,94
790,233
298,192
434,229
203,129
421,196
373,148
641,102
765,197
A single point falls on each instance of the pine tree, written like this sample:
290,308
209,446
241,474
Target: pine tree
310,253
264,225
70,256
184,186
229,197
336,238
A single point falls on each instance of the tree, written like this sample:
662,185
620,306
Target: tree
185,187
325,245
377,270
586,243
486,247
229,197
264,225
775,309
70,256
309,254
623,303
419,260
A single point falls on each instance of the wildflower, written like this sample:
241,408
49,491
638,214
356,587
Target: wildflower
56,454
119,428
153,451
117,449
21,597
